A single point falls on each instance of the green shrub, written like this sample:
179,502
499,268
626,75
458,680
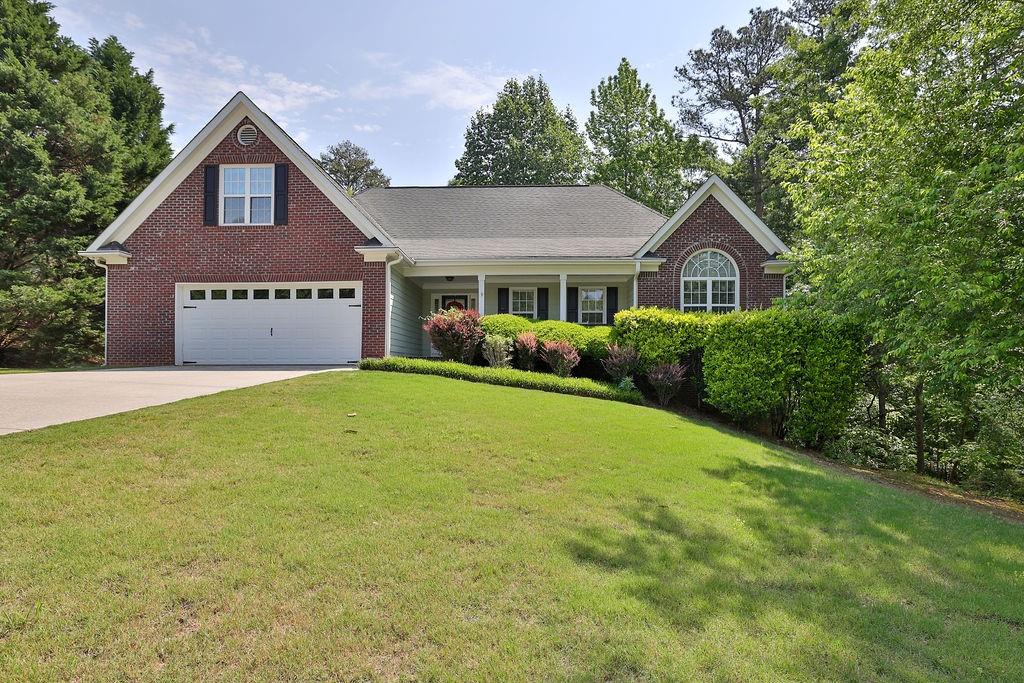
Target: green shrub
591,342
661,335
505,325
796,368
577,386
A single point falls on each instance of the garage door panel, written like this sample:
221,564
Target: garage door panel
273,330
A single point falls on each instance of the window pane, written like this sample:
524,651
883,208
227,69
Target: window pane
261,294
259,211
522,302
237,294
234,209
261,180
347,293
234,181
325,294
282,294
197,294
303,293
695,293
218,294
723,292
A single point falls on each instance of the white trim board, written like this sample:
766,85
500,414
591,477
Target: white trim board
239,107
716,187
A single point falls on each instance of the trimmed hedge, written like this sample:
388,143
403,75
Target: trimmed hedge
662,335
797,369
591,342
576,386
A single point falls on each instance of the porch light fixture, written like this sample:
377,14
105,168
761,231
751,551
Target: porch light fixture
449,278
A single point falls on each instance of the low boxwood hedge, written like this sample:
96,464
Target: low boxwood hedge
576,386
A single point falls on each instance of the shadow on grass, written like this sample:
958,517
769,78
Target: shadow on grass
896,585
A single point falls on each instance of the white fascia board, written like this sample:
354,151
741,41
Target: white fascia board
200,147
777,266
625,266
716,187
380,253
105,257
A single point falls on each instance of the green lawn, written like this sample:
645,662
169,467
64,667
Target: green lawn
454,530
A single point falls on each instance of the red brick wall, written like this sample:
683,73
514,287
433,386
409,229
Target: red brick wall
172,245
710,226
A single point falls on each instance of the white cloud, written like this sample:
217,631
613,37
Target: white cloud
197,80
133,21
366,127
442,85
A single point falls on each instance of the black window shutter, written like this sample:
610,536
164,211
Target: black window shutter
502,299
211,190
572,304
280,194
542,303
611,304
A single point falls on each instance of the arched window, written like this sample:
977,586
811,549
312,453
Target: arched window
711,282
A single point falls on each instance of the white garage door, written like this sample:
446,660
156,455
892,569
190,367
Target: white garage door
269,323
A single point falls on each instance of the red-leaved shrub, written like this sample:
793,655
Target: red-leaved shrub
525,349
455,334
621,362
561,356
666,380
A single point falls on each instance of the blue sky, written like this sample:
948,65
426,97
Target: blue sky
399,78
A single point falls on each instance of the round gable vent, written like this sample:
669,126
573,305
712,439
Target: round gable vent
247,135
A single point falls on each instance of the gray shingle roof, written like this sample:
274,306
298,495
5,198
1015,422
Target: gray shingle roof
581,221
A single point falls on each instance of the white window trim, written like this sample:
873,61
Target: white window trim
248,197
511,298
604,305
708,306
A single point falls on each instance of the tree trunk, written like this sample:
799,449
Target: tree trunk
883,411
919,424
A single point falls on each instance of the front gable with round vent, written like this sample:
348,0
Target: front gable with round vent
247,135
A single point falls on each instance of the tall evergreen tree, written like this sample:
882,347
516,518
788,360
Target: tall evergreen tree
635,146
522,140
62,180
137,106
352,167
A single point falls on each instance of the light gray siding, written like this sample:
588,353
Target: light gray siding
406,309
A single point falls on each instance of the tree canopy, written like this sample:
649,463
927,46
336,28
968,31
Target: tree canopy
352,167
523,139
636,149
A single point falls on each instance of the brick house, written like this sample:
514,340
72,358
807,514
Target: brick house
243,251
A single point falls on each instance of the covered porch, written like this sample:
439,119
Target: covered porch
586,293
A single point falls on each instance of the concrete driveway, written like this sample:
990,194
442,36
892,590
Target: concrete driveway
38,399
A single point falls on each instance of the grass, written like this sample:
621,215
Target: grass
455,531
509,377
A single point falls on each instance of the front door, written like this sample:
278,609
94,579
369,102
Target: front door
457,301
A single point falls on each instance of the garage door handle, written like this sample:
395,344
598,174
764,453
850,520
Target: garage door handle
271,331
355,305
188,306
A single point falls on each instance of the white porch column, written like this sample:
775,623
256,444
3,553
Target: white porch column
636,286
480,293
562,297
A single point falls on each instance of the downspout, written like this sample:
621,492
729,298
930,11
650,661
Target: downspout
106,299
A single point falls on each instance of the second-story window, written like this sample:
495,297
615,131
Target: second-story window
247,195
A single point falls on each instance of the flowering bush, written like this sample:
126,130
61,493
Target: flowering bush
526,350
455,334
496,351
621,363
561,356
666,380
